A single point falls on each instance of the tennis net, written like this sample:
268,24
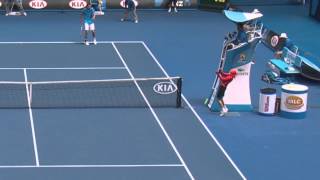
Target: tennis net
159,92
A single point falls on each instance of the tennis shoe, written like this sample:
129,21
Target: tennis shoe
221,113
175,10
122,19
225,109
169,10
86,43
94,41
136,21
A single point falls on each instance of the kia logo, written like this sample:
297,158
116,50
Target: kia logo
77,4
38,4
164,88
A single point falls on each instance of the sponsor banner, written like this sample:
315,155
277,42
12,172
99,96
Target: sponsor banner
79,4
155,3
238,91
57,4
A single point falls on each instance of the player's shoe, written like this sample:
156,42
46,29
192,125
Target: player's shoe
175,10
7,14
136,21
122,19
94,41
222,113
86,43
24,13
225,109
169,10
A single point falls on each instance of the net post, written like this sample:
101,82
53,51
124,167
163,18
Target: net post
179,89
30,93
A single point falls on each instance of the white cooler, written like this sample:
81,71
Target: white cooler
267,101
294,101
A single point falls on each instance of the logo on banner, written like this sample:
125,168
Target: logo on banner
242,57
267,104
242,71
78,4
164,88
274,41
294,102
38,4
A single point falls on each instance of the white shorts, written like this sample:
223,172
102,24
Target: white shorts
89,27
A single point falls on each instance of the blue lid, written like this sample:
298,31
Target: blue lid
268,91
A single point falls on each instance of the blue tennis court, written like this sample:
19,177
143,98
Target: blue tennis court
146,142
109,143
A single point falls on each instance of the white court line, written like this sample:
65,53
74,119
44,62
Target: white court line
154,114
95,166
31,120
65,42
65,68
198,117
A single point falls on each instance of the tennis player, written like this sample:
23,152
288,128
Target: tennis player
241,34
87,19
173,4
130,8
225,79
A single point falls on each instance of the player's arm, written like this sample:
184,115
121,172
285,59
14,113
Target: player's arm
224,74
93,14
219,74
225,78
81,18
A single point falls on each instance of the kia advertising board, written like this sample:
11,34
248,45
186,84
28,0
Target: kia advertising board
79,4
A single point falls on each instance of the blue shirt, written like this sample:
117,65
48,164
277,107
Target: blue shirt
88,14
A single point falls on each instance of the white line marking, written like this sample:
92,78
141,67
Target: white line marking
31,120
65,42
65,68
83,81
198,117
95,166
154,114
